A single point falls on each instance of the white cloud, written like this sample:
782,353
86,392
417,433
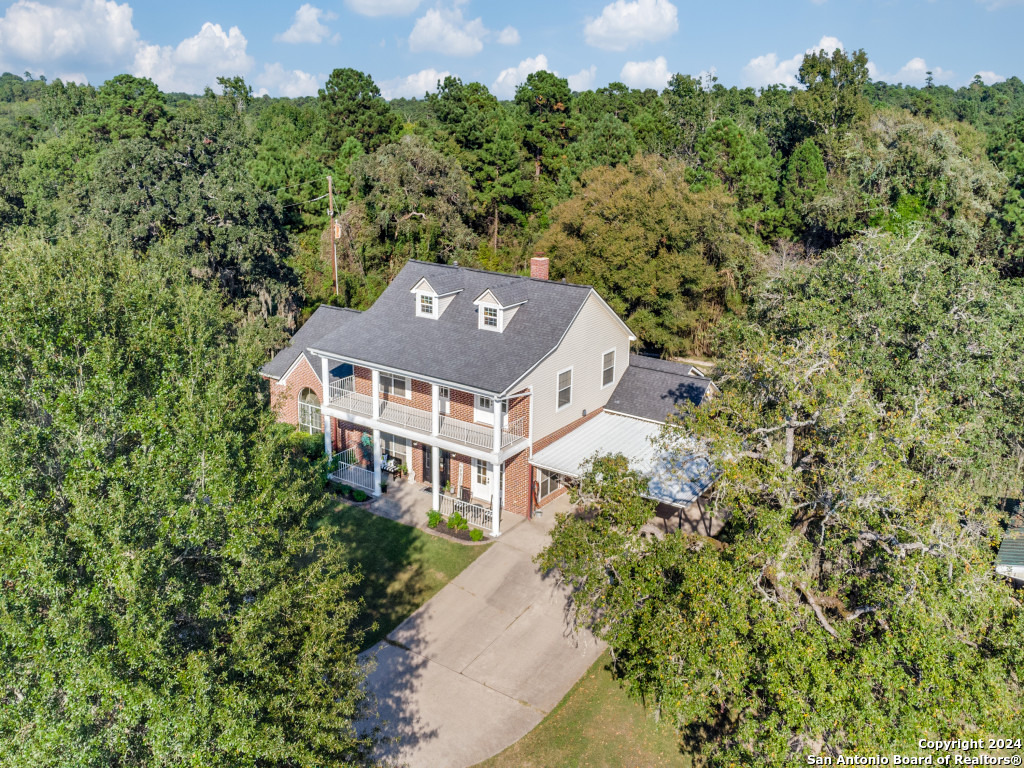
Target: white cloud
508,36
275,80
584,79
768,70
383,7
915,71
509,79
443,30
195,62
308,26
989,77
623,24
413,86
74,35
646,74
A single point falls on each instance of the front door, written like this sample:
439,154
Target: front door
482,479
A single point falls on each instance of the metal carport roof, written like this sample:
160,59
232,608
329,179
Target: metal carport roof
671,479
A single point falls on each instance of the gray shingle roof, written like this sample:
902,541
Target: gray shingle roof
325,320
452,347
651,388
511,293
445,284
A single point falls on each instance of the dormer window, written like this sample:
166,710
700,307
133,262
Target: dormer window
489,317
433,300
497,306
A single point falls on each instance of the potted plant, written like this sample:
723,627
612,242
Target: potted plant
403,471
383,486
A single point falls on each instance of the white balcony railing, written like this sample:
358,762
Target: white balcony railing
515,431
466,433
344,396
354,475
477,515
404,416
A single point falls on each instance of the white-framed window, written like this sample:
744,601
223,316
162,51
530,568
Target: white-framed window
549,483
396,386
310,420
607,368
427,305
444,396
483,410
396,448
564,388
490,317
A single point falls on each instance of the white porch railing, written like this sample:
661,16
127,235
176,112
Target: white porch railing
466,433
344,396
477,515
516,431
354,475
404,416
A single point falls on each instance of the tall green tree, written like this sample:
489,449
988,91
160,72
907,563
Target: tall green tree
804,178
833,97
667,258
166,601
350,105
545,104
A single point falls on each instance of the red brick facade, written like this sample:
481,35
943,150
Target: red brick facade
284,398
518,474
547,440
517,484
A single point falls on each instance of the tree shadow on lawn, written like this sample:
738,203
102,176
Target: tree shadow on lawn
401,567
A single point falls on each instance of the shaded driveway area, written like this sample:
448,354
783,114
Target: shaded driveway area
480,664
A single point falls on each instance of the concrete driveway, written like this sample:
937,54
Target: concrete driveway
479,665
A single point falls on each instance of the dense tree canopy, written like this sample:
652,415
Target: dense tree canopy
667,258
848,606
165,601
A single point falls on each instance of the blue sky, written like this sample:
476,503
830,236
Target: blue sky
289,48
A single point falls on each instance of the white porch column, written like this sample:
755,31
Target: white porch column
435,477
376,459
435,410
375,393
325,385
495,499
496,445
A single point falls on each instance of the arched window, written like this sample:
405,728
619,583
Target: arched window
309,412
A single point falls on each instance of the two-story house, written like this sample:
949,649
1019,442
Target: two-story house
465,377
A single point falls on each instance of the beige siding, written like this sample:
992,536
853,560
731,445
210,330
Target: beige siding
594,332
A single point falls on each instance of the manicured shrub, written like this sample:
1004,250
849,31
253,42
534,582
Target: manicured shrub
433,518
457,522
476,535
359,495
310,446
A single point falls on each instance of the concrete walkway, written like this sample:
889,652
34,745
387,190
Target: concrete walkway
479,665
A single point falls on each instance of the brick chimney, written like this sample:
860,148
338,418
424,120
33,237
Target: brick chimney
539,266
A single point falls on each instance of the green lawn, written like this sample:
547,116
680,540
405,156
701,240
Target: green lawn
595,725
402,567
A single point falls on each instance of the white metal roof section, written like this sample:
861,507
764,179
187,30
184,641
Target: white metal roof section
673,480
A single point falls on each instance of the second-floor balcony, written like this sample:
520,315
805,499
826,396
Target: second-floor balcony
343,395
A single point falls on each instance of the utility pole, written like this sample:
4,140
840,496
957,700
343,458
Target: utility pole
334,244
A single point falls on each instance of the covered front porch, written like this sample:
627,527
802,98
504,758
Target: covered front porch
415,477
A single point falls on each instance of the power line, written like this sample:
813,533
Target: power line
305,201
296,184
